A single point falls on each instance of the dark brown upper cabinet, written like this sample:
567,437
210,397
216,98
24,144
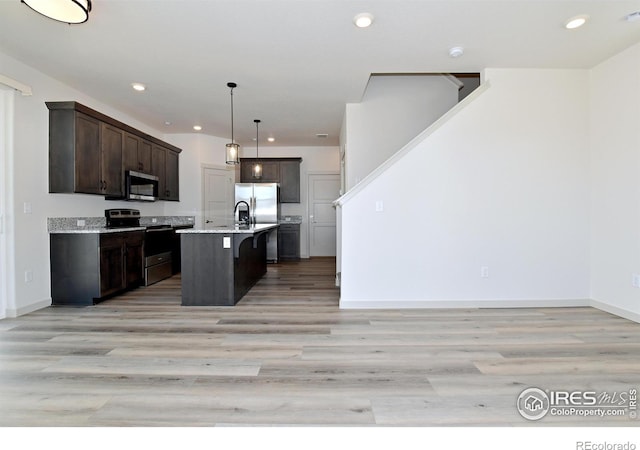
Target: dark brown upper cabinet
137,153
111,139
285,171
164,164
89,153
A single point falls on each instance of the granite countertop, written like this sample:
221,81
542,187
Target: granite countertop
231,229
293,220
97,225
99,230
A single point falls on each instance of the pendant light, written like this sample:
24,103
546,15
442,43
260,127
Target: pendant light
233,149
257,167
67,11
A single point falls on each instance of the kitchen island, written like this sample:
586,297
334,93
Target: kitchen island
220,265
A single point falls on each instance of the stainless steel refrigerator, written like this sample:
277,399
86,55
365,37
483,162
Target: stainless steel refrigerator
264,207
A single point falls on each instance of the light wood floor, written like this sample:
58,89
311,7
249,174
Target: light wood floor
286,355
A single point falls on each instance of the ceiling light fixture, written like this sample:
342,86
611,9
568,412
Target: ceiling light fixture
456,52
138,87
232,149
576,22
67,11
363,20
257,167
197,127
271,139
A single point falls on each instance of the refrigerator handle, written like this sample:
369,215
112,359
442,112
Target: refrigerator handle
253,210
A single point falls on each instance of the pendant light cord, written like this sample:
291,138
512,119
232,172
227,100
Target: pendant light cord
257,140
232,141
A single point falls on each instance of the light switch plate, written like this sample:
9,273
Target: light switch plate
226,242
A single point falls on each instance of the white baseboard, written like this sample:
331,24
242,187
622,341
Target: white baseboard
476,304
616,311
440,304
13,313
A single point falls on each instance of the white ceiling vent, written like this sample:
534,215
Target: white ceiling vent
322,135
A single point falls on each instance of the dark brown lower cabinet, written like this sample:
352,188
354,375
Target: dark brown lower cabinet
89,267
289,242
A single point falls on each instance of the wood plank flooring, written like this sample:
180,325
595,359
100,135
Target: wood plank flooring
286,355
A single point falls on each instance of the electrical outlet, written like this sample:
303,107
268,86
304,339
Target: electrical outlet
379,206
635,280
226,242
28,276
80,223
27,208
484,271
154,220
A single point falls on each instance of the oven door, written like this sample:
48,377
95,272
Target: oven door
158,239
158,265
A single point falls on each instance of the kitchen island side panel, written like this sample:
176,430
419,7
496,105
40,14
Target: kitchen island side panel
251,263
75,269
207,271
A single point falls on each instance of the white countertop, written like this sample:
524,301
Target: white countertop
231,229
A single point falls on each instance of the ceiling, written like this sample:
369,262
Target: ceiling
296,62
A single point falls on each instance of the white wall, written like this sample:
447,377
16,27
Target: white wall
197,149
6,217
615,174
503,184
314,160
394,110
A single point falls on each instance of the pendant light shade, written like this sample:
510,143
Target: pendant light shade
232,153
67,11
257,167
233,149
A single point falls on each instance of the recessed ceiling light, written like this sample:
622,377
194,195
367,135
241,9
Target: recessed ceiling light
197,127
271,139
138,86
363,20
576,22
456,52
167,123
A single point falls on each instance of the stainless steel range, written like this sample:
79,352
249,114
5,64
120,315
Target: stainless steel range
158,242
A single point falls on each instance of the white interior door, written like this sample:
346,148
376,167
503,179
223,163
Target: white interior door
324,189
218,187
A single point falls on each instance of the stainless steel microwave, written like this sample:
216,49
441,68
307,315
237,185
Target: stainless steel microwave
141,186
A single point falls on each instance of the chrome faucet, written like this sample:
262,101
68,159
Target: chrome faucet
243,219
